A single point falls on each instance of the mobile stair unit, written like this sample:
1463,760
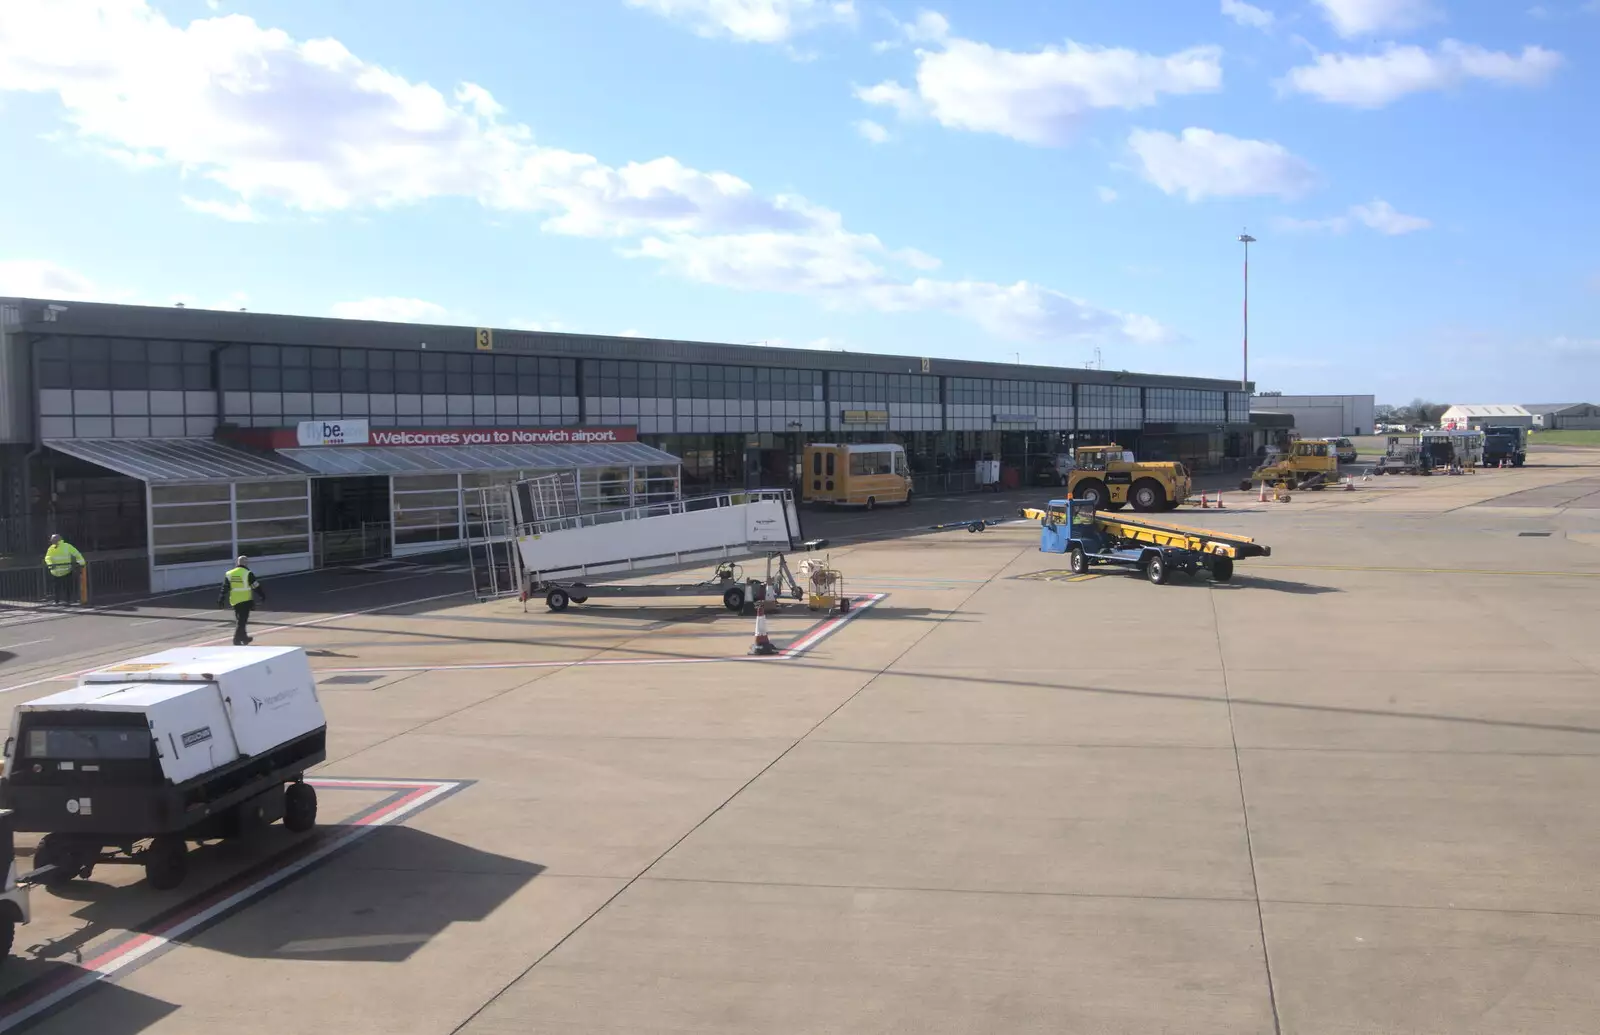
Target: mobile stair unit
567,558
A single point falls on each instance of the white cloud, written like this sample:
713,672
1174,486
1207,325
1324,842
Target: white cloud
1374,80
1366,17
1247,14
1571,346
393,310
1376,215
629,333
1381,216
872,131
544,326
1202,163
1107,195
753,21
891,95
232,211
277,123
37,278
1037,97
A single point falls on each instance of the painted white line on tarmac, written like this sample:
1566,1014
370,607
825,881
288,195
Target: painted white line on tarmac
261,632
26,643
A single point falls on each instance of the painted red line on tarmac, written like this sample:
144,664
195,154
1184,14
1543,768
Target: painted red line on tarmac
832,625
65,985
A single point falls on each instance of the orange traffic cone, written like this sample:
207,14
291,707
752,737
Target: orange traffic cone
763,645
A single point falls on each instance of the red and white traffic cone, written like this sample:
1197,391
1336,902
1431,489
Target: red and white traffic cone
1263,497
1205,501
1219,502
763,645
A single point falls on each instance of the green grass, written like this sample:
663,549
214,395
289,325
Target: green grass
1564,438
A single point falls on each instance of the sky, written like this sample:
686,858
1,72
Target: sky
1038,181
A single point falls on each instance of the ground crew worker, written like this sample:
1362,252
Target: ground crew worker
240,591
62,561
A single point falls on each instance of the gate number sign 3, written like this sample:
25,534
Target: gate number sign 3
485,340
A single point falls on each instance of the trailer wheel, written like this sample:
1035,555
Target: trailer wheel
166,862
1156,569
733,600
1078,562
1221,569
557,599
577,594
1244,485
299,807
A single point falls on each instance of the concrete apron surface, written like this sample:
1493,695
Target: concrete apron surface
1354,790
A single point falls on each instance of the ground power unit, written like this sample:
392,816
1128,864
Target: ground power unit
192,744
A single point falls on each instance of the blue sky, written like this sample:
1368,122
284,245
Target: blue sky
1027,179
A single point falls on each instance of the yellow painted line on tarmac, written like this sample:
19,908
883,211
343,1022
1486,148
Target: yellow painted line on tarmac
1429,571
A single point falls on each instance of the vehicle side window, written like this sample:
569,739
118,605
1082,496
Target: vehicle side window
830,465
816,463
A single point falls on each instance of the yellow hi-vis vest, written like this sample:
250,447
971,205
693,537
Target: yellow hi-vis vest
239,586
60,557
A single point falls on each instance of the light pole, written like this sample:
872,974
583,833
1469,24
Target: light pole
1246,240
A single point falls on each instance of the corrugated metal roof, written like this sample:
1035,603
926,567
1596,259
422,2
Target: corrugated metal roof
1487,410
373,460
1551,407
159,460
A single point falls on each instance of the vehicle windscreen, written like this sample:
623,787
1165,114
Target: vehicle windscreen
83,744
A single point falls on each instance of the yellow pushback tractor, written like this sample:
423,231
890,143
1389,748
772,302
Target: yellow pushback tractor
1110,478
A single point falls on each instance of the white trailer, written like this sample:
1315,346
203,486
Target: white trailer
191,744
562,556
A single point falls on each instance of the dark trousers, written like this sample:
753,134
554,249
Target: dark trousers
62,587
242,613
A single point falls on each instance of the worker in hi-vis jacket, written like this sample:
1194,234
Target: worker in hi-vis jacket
240,591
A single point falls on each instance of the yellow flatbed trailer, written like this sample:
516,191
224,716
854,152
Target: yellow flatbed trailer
1155,547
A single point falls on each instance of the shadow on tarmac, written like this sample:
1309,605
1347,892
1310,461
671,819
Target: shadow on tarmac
379,901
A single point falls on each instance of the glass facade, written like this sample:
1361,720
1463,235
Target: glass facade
1184,406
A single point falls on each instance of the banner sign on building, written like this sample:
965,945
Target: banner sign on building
332,433
865,417
360,433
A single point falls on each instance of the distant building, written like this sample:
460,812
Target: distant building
1484,415
1564,416
1534,416
1322,416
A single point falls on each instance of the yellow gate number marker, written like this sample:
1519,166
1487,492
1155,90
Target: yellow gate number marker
485,340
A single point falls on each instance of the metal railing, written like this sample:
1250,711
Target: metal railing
683,506
106,579
372,541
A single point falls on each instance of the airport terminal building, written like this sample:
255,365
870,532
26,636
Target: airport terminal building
188,436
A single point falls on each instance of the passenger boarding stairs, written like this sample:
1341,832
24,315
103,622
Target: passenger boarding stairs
531,538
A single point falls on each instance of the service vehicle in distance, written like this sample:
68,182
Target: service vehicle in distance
1309,464
1505,445
1110,478
863,474
1344,450
191,744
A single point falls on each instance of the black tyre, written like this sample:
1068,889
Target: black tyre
1244,486
733,599
1156,570
1147,495
1221,569
1517,462
60,853
1078,562
1092,490
872,502
557,599
166,862
8,936
299,807
577,594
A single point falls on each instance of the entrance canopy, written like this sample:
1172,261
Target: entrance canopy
355,461
158,461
